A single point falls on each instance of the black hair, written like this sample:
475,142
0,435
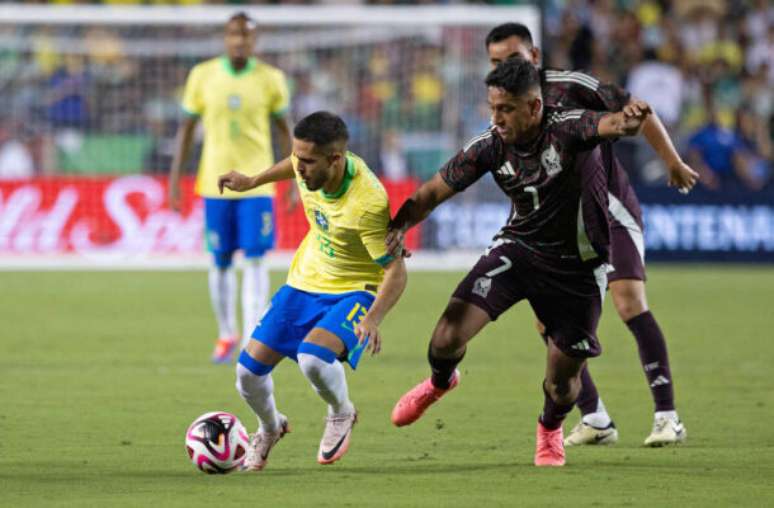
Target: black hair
502,32
515,75
321,128
243,16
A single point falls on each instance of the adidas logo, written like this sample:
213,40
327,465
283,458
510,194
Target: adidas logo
659,381
506,170
582,346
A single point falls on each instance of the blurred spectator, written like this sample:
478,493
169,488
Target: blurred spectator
66,99
718,154
660,84
15,157
754,137
760,56
392,159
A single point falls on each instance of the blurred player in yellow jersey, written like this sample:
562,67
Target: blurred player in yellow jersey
341,284
237,97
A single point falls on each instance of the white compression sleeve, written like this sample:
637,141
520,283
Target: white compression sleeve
330,382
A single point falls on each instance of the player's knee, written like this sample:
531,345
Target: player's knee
250,374
313,358
629,299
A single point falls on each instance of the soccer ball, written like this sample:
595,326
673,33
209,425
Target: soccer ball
216,442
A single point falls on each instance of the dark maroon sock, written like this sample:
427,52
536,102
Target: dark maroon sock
553,413
588,398
654,359
443,369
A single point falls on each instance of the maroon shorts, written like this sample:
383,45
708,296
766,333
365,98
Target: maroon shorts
567,301
627,252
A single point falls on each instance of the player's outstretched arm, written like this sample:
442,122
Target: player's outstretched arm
388,295
680,174
183,141
235,181
627,122
416,209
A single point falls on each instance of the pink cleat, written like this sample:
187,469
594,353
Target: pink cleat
415,402
335,441
224,348
549,449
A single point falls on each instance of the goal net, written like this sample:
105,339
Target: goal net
90,98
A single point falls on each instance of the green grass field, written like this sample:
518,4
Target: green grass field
101,373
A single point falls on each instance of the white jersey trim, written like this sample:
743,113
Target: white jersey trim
563,116
585,249
619,212
573,77
481,137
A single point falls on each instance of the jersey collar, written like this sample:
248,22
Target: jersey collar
251,63
349,173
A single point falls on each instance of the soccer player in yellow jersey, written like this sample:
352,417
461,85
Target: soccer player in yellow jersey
237,98
341,284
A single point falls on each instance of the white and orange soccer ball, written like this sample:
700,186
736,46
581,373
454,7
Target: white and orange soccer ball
217,442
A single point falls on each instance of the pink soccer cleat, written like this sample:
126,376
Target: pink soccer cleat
549,449
415,402
224,348
261,444
335,440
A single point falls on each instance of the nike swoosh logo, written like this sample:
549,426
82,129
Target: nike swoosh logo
600,437
329,454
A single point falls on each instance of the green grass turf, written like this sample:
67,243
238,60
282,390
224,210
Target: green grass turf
101,373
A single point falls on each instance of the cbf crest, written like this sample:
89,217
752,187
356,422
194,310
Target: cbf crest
234,102
551,161
321,220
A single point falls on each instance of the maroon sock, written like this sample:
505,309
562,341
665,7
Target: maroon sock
553,413
654,359
442,369
588,398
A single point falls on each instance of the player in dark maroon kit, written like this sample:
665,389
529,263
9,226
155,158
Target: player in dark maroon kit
551,251
627,280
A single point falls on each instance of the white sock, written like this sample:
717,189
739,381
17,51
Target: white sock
258,392
223,285
599,418
669,415
329,381
255,294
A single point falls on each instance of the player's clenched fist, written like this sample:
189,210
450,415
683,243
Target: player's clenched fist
634,115
235,181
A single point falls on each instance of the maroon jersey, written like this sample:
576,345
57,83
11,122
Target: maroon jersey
573,89
556,183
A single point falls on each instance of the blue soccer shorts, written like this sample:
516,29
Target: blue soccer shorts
293,313
245,223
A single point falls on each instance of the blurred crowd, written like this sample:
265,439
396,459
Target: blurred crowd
76,95
706,66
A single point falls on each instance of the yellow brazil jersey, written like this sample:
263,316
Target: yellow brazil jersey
235,108
344,249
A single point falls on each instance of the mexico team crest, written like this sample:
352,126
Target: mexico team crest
551,161
482,286
321,220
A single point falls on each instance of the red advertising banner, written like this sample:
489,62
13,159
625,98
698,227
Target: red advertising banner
126,216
